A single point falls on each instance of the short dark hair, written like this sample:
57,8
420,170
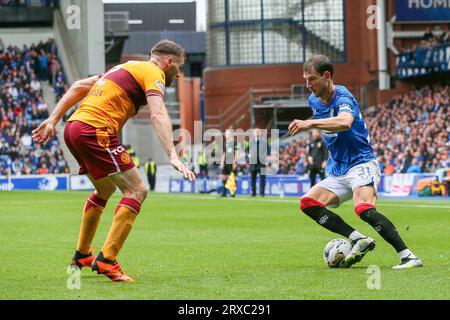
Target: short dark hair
320,63
168,47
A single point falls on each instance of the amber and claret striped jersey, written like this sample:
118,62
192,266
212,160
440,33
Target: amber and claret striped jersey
119,94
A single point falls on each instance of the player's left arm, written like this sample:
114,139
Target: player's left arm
346,113
75,94
342,122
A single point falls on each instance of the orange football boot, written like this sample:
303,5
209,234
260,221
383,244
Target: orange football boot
82,260
109,268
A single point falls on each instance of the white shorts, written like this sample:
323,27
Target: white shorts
361,175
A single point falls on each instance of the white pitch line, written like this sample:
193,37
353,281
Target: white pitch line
289,201
183,196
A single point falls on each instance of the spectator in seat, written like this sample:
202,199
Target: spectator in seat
428,35
35,85
43,65
415,167
42,169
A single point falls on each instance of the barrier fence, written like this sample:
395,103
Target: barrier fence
279,185
396,185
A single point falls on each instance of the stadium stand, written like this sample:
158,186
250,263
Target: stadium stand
429,55
22,108
412,127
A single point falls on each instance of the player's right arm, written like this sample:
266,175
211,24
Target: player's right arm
75,94
163,126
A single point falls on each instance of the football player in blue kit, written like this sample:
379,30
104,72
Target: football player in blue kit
352,168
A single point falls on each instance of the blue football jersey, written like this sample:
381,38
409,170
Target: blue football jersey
346,148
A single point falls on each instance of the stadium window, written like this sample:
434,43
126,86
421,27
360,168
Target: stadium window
269,31
282,43
217,47
245,45
244,10
216,11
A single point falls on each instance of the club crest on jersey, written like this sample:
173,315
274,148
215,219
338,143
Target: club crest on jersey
126,159
103,138
160,86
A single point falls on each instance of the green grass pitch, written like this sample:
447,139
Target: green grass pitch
201,247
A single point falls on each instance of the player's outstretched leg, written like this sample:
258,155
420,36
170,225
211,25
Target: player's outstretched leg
92,212
106,263
134,192
331,221
91,217
389,233
324,217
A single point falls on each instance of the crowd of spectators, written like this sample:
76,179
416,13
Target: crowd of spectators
431,39
22,109
425,57
409,134
293,156
437,38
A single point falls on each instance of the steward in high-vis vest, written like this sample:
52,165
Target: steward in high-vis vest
203,164
150,171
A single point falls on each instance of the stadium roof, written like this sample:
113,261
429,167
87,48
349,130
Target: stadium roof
141,41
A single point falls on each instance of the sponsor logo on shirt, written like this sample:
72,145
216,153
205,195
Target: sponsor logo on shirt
345,106
160,86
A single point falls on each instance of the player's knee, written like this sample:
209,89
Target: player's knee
105,193
142,192
139,193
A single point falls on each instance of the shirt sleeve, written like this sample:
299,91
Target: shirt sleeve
153,82
345,104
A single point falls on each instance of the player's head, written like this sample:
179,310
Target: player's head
315,134
318,73
170,56
229,134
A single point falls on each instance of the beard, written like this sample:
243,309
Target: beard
168,81
170,76
321,91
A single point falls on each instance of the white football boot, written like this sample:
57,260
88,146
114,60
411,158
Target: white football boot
408,262
359,249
